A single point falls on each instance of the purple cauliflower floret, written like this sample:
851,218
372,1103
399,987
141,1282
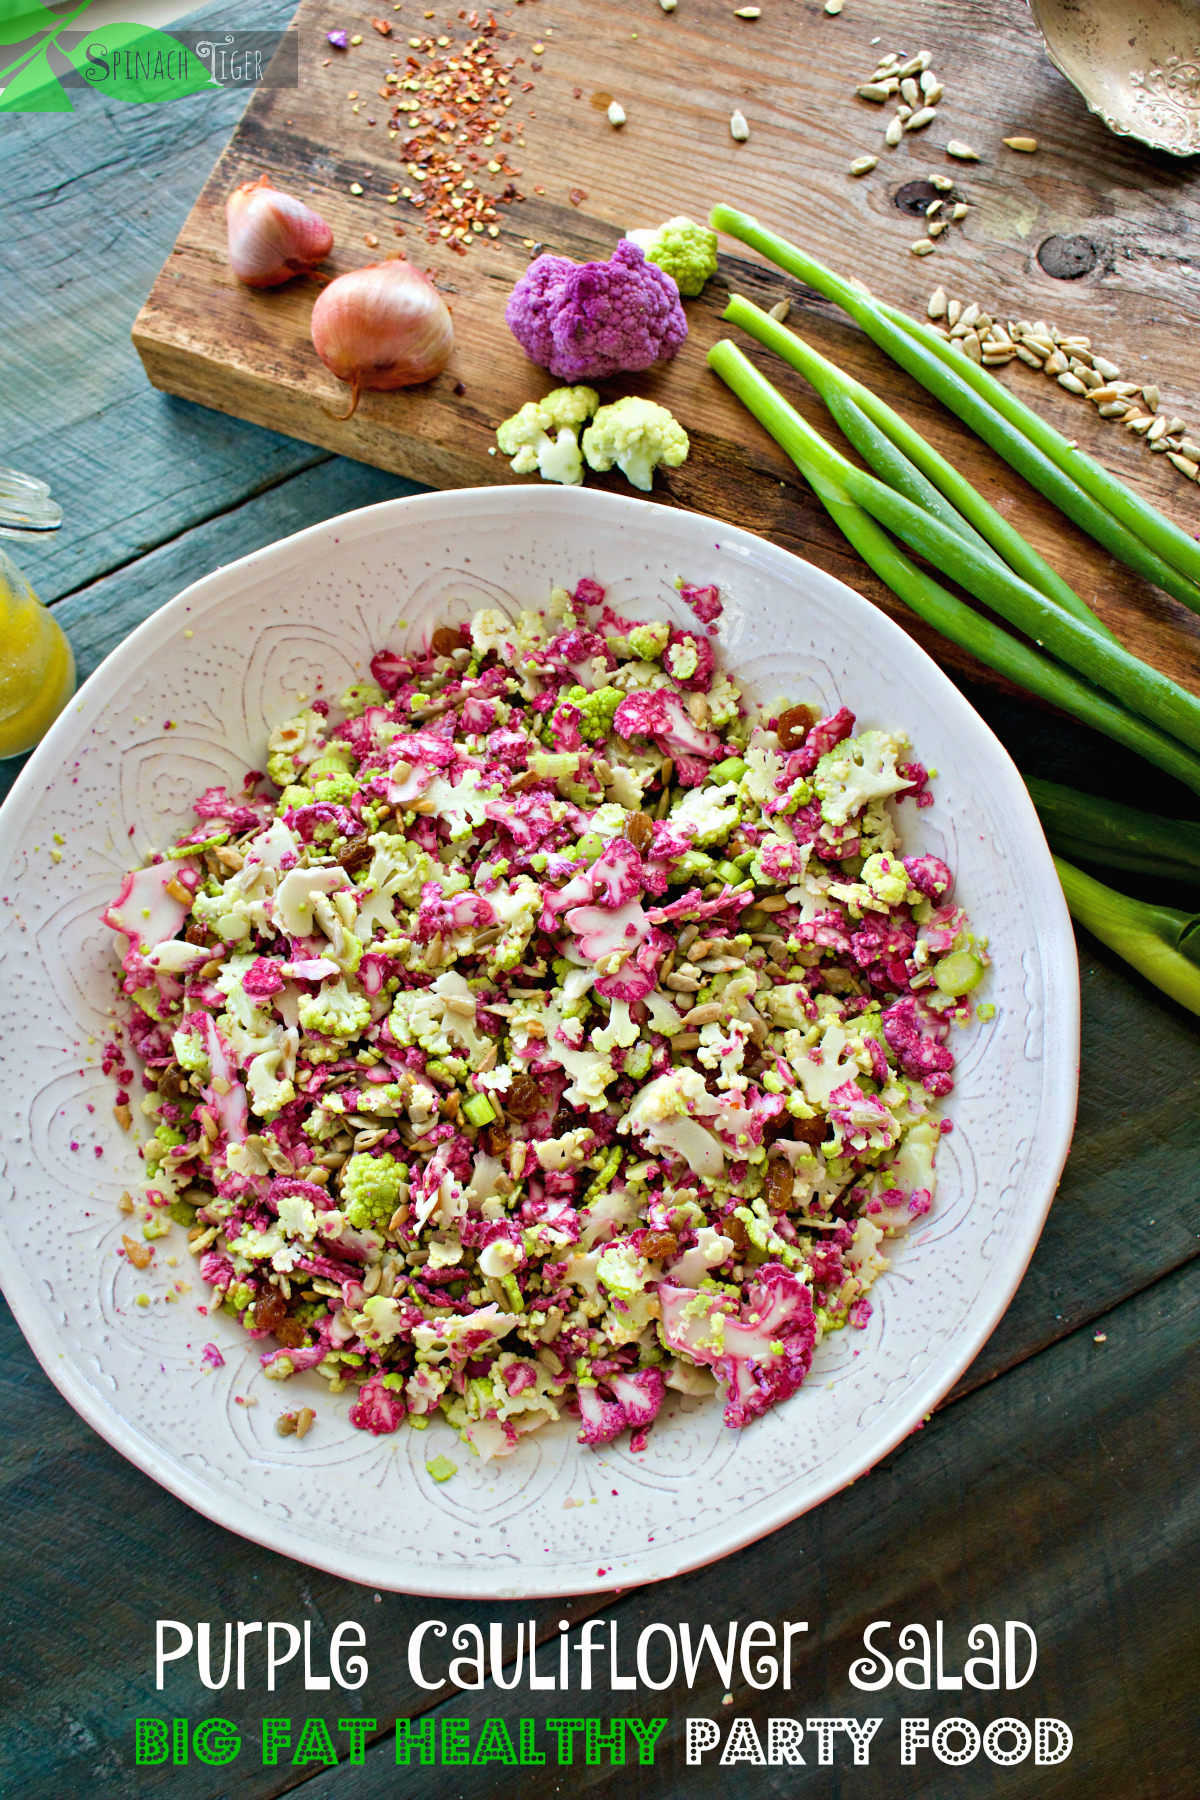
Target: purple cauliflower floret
641,1392
603,1420
262,979
583,321
922,1057
689,659
378,1409
823,736
705,602
763,1355
929,875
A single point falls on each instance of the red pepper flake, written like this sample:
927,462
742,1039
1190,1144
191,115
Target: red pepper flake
459,389
527,87
578,94
383,27
370,240
577,196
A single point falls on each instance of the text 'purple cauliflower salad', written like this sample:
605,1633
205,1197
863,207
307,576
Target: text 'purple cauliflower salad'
567,1030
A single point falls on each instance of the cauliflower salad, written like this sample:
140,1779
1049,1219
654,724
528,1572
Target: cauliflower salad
548,1028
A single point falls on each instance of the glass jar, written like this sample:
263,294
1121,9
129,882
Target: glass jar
37,668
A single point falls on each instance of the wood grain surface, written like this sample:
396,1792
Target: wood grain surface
678,76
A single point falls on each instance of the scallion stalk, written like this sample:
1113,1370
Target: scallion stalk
1154,528
948,385
1143,689
1159,942
1027,667
1088,828
847,399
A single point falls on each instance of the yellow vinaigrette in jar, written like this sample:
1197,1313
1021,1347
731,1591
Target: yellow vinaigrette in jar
37,667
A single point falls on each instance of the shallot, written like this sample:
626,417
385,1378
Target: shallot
272,236
382,327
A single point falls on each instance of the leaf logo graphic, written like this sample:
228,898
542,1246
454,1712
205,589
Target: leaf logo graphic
136,64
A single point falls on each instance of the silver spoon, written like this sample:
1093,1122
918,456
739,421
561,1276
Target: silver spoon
1138,67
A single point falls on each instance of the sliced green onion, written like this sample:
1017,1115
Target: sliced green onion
1159,942
947,383
1036,673
1144,689
847,399
1084,826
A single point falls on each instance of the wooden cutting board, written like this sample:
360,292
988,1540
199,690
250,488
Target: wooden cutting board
1114,217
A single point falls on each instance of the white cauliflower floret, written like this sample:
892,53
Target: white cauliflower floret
823,1059
298,893
621,1029
293,744
762,766
462,807
637,435
526,436
724,700
861,769
335,1011
417,1018
493,630
517,905
269,1089
298,1217
398,871
661,1113
709,814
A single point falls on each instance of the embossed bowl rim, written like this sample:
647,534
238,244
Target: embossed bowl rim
984,761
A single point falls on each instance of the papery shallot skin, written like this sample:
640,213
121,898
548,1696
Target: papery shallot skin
273,237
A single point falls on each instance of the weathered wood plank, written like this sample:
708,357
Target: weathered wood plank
203,335
1062,1496
89,206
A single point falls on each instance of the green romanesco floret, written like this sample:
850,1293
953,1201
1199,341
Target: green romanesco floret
595,712
371,1189
685,250
335,1011
526,436
294,744
650,639
359,696
190,1053
637,435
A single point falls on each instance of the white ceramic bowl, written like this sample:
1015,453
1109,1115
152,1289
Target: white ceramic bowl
224,663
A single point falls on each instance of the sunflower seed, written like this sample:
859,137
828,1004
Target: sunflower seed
937,304
1043,345
748,12
911,92
1027,144
904,110
983,323
1140,425
1188,448
953,312
920,119
963,152
1185,465
1126,389
916,65
1000,338
996,359
1089,378
1076,343
1056,363
1072,384
936,228
1102,395
878,91
862,165
1109,370
934,208
1152,397
960,330
739,131
616,114
1176,425
973,347
922,247
1159,444
834,7
943,183
780,311
969,314
1113,409
1158,429
928,81
894,132
1027,356
961,209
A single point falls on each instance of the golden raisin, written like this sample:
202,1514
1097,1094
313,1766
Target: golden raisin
198,934
735,1229
779,1184
270,1310
289,1333
639,830
793,726
356,855
495,1141
524,1098
445,641
657,1244
809,1131
140,1255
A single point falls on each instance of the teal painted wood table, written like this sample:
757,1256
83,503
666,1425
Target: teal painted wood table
1057,1483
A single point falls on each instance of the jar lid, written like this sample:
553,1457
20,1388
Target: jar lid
26,509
